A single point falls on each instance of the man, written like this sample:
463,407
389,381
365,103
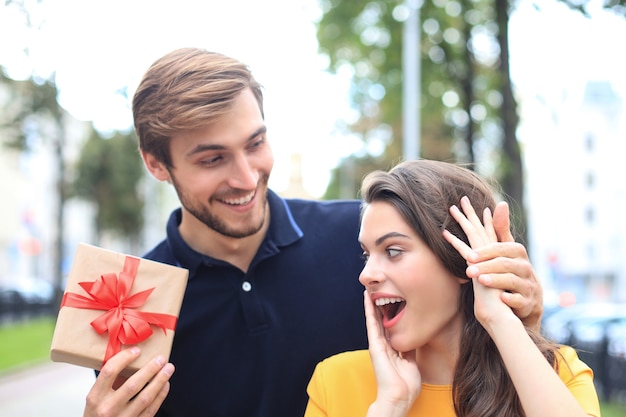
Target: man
273,283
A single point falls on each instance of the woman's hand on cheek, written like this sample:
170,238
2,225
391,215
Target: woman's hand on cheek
397,375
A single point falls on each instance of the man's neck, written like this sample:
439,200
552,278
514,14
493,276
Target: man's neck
236,251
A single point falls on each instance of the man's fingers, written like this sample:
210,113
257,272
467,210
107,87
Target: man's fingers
510,250
102,399
502,222
139,395
149,378
518,303
149,399
109,376
152,409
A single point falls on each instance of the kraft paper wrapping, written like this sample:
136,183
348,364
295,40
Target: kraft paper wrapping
77,342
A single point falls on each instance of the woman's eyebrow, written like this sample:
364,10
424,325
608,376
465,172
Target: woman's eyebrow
388,236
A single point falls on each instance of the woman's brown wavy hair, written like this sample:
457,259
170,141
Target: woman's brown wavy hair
423,191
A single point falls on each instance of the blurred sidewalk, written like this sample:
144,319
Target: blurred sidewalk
48,389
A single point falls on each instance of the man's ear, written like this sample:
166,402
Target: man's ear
156,167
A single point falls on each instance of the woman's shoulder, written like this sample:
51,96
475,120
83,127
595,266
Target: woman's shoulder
342,385
352,357
570,366
355,363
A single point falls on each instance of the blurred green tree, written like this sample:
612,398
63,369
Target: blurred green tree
468,110
109,174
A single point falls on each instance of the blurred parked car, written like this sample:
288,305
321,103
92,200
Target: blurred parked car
557,326
590,337
589,327
616,360
25,296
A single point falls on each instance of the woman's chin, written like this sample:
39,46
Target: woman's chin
399,345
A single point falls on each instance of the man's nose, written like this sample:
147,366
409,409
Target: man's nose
243,176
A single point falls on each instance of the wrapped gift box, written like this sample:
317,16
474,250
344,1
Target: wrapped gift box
113,301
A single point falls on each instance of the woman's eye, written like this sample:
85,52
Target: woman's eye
393,252
365,256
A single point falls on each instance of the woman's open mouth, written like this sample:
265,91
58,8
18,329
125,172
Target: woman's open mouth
391,309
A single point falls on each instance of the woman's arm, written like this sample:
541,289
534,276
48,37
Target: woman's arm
522,290
539,387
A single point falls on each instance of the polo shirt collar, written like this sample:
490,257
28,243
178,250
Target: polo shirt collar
283,231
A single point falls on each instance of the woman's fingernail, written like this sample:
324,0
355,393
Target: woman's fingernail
168,369
135,350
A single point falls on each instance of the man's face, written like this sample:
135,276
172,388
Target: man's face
221,171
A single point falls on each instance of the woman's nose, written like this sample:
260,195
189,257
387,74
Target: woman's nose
371,274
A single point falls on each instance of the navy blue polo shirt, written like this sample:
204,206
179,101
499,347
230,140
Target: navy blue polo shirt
246,344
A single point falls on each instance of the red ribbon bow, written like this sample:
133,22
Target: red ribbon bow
125,324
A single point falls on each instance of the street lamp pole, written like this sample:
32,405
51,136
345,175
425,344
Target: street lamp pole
411,81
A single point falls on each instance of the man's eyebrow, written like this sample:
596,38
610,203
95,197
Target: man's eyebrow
388,236
217,147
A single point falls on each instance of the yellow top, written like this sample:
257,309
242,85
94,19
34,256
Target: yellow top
344,385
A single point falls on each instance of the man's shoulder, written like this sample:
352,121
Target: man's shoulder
349,207
161,253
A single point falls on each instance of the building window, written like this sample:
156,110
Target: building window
589,142
590,180
589,215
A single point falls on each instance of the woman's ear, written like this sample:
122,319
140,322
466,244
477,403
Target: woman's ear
156,167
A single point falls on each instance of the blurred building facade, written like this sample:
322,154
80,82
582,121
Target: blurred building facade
28,186
574,144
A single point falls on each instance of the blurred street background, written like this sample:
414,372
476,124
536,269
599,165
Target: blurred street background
529,93
45,390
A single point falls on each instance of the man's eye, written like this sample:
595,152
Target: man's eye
257,143
211,161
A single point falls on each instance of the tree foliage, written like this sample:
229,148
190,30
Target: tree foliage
458,87
29,108
108,174
615,6
468,107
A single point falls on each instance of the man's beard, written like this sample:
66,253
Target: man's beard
213,222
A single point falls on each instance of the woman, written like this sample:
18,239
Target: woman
440,343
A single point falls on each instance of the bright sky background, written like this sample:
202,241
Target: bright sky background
98,47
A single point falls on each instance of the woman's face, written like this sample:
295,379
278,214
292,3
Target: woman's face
416,298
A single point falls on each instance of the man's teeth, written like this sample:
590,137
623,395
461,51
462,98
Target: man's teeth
242,200
385,301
